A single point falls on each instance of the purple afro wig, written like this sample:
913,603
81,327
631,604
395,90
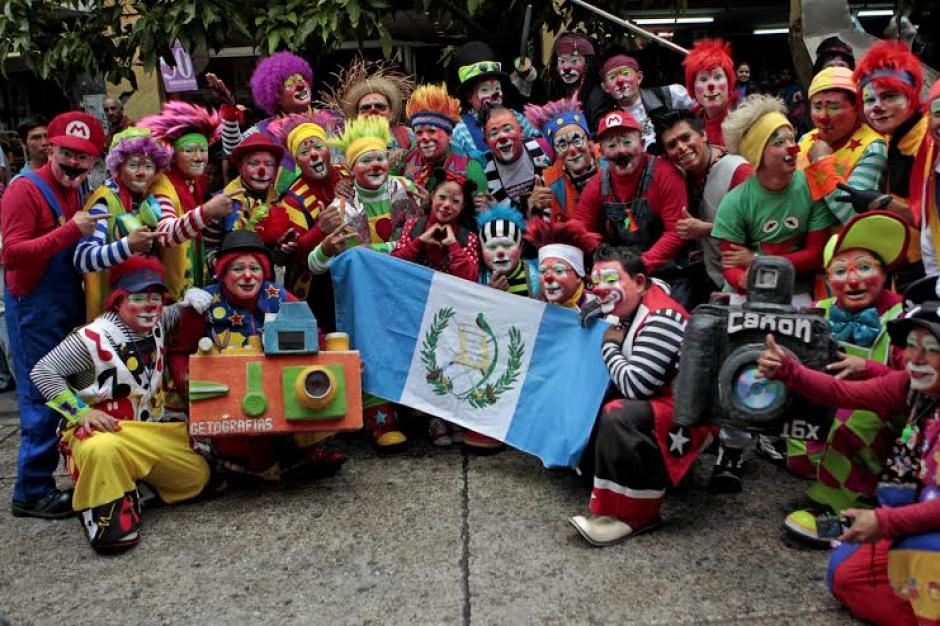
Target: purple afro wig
138,145
269,77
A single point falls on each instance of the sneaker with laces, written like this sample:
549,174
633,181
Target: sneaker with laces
774,449
801,525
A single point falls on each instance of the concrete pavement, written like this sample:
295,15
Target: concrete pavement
428,537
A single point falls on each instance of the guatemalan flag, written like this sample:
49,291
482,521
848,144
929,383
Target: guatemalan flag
516,369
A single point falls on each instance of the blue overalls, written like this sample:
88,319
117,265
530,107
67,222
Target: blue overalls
38,321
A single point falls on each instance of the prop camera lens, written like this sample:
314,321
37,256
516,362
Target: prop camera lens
315,387
756,393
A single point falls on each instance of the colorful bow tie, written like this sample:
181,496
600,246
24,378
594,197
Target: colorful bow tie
861,328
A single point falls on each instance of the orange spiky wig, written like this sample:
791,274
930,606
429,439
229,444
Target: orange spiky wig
431,105
890,65
706,54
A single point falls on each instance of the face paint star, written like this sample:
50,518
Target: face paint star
236,318
272,292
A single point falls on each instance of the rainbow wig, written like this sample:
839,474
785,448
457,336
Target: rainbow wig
431,105
362,134
891,65
552,116
267,81
177,118
137,144
705,55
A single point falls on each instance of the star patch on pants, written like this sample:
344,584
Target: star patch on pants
679,441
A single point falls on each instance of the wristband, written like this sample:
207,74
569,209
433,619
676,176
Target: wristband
69,406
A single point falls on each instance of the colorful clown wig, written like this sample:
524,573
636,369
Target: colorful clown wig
267,81
891,65
363,134
134,140
501,221
431,105
553,116
178,122
705,55
362,78
566,240
293,130
749,126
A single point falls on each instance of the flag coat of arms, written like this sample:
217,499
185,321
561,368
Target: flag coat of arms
513,368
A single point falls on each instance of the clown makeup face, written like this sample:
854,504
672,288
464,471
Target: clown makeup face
137,172
885,109
141,311
622,149
70,167
243,277
623,84
711,90
502,254
780,152
432,142
191,160
257,171
447,202
573,146
618,292
504,136
922,356
489,91
686,147
558,280
313,157
834,115
371,169
934,121
856,278
374,104
571,67
295,94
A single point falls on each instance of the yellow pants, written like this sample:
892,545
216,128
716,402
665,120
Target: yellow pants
105,465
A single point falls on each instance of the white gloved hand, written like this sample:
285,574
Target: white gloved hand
197,299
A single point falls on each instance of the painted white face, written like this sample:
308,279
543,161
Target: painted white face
922,356
501,254
571,67
606,288
885,109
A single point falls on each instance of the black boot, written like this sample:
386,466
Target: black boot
114,526
726,475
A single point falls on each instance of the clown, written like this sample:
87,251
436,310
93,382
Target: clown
512,166
444,240
562,248
843,149
254,197
181,191
884,570
574,75
710,76
482,85
621,77
432,114
771,212
930,218
105,380
280,85
500,232
373,88
565,129
847,466
134,160
639,451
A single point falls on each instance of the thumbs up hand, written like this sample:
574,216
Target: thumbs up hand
770,360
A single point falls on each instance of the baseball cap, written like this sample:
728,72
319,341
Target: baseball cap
617,119
77,131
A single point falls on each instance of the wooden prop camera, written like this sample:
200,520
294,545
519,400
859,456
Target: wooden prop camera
281,385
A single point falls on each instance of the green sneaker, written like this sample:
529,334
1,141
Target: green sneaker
802,525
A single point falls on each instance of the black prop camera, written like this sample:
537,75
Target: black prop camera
717,380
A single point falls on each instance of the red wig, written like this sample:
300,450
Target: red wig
891,65
540,233
131,265
223,262
705,55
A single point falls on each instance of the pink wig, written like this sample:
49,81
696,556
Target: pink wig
138,145
891,65
270,74
179,118
706,54
553,115
282,126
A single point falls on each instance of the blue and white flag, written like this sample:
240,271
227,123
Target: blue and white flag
516,369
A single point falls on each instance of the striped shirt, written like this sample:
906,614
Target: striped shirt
177,230
867,174
640,370
96,252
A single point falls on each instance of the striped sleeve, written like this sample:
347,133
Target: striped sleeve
94,253
867,174
176,230
231,136
653,358
68,359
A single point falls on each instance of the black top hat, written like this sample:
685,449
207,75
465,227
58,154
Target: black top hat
243,241
921,316
479,54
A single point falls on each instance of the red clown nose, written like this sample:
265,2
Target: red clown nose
794,150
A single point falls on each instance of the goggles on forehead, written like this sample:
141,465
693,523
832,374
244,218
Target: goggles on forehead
467,72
